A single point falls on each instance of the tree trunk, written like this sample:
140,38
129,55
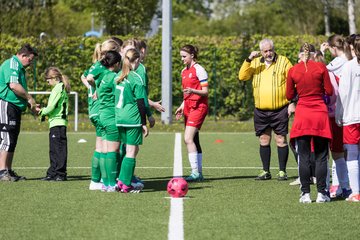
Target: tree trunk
326,17
351,14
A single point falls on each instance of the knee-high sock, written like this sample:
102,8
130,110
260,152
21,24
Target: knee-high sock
193,159
342,173
127,170
95,167
283,155
353,166
335,179
103,169
199,159
265,153
110,167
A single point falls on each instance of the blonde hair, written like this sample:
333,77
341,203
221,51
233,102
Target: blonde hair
102,49
307,49
130,57
54,72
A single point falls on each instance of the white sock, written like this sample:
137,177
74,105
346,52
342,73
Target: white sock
199,159
342,173
335,180
353,169
193,159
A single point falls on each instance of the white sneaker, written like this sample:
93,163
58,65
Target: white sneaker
296,182
95,185
305,198
321,198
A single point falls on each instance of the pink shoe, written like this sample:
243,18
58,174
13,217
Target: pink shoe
353,198
127,189
335,191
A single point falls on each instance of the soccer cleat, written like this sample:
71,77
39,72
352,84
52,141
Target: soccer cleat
95,185
112,189
295,182
127,189
194,177
5,176
15,177
282,176
60,178
346,193
104,188
136,179
321,198
264,175
353,198
305,198
335,191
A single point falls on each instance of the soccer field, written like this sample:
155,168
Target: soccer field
229,204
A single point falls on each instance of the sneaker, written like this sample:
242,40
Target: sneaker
15,177
126,189
353,198
305,198
137,185
5,176
60,178
346,193
282,176
264,175
47,178
95,185
321,198
194,177
335,191
295,182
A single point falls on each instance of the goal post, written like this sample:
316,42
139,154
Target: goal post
76,120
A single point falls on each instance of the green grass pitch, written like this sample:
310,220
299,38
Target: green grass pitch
230,204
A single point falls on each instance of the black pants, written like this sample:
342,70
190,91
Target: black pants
57,152
321,151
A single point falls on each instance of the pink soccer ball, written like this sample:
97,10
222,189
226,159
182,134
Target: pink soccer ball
177,187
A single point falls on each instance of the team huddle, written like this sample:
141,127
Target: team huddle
119,109
324,99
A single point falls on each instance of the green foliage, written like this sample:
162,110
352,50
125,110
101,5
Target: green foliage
220,56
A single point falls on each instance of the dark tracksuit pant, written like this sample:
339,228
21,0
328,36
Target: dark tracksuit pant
58,152
321,152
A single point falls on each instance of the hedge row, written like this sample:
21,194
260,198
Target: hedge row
221,57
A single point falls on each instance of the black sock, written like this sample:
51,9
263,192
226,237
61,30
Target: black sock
265,153
283,154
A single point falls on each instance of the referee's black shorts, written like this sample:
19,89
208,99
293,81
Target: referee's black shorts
277,120
10,118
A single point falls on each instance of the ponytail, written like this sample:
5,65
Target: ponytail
130,57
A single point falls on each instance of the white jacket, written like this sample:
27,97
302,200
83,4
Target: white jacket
349,92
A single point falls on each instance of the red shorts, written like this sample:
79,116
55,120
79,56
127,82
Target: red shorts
195,113
352,134
336,144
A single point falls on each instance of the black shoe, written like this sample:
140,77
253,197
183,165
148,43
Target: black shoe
60,179
15,177
48,178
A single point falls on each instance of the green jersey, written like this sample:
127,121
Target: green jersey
126,93
57,107
141,70
12,71
93,105
105,92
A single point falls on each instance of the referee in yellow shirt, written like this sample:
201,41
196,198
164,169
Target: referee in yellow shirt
268,71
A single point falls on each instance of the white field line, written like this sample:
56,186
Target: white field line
242,168
176,219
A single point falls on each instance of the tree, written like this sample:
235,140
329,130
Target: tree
122,17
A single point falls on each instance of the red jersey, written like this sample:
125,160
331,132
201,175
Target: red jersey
195,77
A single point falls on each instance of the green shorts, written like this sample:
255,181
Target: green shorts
131,135
111,133
95,120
